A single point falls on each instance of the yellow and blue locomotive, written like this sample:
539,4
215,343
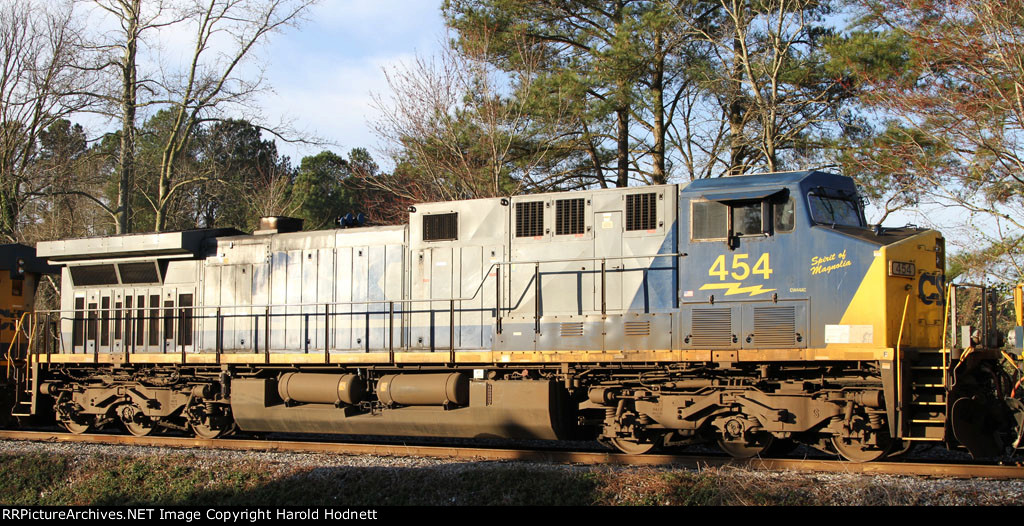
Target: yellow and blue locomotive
20,275
747,311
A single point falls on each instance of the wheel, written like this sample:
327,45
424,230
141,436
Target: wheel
72,420
632,447
206,421
134,421
205,430
855,450
781,447
755,444
76,428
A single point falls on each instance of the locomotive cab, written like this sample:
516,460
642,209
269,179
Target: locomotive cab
793,260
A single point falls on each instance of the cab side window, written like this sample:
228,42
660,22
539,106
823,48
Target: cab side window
716,221
709,220
747,219
784,216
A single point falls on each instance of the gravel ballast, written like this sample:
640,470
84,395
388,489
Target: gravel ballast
89,474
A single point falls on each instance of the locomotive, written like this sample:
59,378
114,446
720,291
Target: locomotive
20,275
754,312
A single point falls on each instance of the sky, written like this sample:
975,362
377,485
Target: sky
324,73
322,76
318,77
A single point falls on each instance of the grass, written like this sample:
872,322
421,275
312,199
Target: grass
186,479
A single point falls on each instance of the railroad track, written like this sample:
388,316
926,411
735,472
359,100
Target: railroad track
930,469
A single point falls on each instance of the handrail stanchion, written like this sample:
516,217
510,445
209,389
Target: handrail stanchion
497,299
391,331
604,303
305,333
366,327
327,333
451,331
47,337
219,337
181,333
536,298
266,338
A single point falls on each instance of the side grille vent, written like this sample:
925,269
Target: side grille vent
530,219
775,327
572,328
87,275
568,216
712,327
641,211
441,227
638,328
139,272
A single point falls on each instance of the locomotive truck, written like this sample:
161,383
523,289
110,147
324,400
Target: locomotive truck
752,312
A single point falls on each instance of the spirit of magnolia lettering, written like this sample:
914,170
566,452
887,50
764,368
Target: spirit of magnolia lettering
825,265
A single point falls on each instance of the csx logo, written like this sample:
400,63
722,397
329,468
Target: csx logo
930,287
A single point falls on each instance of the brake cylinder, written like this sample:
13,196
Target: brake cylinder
321,388
424,389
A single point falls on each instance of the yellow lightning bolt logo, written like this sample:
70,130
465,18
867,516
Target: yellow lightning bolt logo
735,288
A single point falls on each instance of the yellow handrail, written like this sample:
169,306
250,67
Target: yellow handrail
14,340
899,341
945,326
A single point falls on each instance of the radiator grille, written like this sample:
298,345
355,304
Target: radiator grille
775,327
572,328
712,327
139,272
569,216
641,211
638,328
440,227
86,275
530,219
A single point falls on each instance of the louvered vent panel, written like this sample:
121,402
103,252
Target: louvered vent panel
775,327
569,216
441,227
641,211
530,219
638,328
712,327
572,328
139,272
86,275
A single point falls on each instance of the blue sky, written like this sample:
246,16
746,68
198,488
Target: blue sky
323,73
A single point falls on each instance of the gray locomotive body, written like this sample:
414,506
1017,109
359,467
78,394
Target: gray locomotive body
645,316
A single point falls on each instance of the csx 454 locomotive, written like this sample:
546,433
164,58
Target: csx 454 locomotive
743,311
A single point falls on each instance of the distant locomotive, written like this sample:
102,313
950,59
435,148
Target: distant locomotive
745,311
20,273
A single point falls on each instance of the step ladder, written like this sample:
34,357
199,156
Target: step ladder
19,369
925,403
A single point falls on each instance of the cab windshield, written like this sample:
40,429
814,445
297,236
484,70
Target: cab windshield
835,211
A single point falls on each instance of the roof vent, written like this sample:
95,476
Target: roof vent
278,225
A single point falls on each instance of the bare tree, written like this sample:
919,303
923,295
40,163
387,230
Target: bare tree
118,54
952,96
458,129
774,89
225,35
40,84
